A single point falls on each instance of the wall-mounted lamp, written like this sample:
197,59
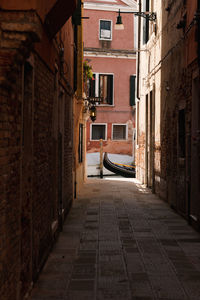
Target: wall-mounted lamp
93,113
90,106
151,16
119,25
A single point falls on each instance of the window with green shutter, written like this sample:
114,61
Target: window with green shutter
132,90
101,85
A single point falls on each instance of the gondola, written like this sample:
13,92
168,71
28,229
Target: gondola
119,169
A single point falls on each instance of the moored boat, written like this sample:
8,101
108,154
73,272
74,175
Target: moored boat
119,169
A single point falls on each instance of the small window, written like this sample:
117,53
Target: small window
105,30
98,132
132,90
119,132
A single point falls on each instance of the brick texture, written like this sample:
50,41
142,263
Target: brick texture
32,202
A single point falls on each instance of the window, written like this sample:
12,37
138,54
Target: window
101,85
132,90
119,132
105,30
98,131
106,88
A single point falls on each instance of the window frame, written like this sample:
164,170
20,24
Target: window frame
93,124
97,76
104,39
120,124
132,90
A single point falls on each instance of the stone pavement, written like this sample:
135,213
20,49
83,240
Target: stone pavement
121,242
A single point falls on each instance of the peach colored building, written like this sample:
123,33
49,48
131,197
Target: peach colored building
112,55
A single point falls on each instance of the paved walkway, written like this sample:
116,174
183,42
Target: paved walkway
121,242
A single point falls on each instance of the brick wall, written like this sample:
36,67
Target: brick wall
68,155
32,198
10,120
10,153
175,170
43,208
124,147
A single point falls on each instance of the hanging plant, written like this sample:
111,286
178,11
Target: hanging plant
87,76
87,71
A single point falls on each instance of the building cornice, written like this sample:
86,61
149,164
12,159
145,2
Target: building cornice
110,53
127,7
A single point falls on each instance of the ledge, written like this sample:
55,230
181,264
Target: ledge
108,52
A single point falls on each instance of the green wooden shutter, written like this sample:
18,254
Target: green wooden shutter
92,86
132,90
110,89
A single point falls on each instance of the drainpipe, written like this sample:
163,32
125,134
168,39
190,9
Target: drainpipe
138,56
198,31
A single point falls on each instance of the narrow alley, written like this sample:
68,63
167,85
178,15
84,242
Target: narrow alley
121,242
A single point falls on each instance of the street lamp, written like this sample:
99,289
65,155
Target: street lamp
90,104
151,16
93,113
119,25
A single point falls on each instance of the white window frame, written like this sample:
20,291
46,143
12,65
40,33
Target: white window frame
97,87
104,39
126,138
98,124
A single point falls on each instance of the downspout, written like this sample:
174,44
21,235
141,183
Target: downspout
138,81
138,56
198,31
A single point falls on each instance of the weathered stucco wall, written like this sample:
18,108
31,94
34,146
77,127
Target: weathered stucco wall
169,68
115,57
121,39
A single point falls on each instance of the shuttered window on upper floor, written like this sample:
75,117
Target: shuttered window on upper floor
132,90
101,85
91,86
106,88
